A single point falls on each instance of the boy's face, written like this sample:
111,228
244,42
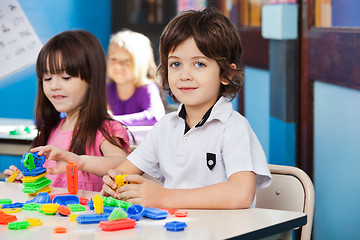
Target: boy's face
194,79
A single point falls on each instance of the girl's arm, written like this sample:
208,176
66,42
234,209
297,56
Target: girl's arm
97,165
238,192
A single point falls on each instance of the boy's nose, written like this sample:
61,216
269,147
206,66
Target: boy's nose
185,74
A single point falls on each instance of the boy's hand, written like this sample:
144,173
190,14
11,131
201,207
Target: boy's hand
143,192
54,153
10,171
109,186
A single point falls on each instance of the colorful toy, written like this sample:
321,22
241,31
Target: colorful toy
13,205
5,201
13,176
98,204
181,213
73,217
42,197
155,213
50,208
6,218
120,180
60,230
136,212
34,179
76,207
117,214
11,210
92,218
31,207
117,224
64,210
34,221
18,225
66,199
175,226
72,178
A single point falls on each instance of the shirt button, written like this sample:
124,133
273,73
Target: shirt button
186,139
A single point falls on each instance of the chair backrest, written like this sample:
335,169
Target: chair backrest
291,190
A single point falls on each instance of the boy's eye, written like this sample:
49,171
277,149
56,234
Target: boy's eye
67,77
200,65
175,64
47,77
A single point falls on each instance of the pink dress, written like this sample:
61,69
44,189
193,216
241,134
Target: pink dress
62,139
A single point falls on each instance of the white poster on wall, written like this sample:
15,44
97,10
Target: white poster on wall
19,44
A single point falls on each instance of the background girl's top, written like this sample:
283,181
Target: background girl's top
62,139
143,108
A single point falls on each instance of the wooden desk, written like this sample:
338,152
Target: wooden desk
17,145
202,224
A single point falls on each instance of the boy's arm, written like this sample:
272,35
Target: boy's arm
237,193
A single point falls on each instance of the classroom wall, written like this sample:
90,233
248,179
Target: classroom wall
17,92
257,103
336,162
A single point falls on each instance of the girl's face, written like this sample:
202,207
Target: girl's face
194,79
67,94
120,68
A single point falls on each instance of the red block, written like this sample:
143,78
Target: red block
117,224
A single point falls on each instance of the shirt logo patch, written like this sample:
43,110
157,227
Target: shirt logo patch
210,160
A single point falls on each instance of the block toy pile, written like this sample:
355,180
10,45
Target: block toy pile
34,179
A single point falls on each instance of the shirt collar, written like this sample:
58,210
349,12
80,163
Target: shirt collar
221,110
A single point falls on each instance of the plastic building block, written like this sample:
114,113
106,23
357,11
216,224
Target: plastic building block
45,189
38,160
36,186
92,218
83,200
13,176
66,199
110,201
35,172
13,205
108,209
6,218
181,213
76,207
117,214
50,208
171,211
136,212
31,207
175,226
28,161
120,180
18,225
73,217
64,210
60,230
5,201
155,213
34,221
98,204
90,204
72,178
42,197
33,179
117,224
11,210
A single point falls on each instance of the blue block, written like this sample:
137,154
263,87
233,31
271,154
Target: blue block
92,218
175,226
66,199
155,213
136,212
279,21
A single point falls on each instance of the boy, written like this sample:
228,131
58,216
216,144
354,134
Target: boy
206,154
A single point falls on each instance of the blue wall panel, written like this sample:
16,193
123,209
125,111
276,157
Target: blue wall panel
336,162
257,103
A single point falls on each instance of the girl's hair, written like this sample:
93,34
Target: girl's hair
215,36
141,52
79,54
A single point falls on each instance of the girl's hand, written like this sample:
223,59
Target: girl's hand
143,192
109,186
10,171
54,153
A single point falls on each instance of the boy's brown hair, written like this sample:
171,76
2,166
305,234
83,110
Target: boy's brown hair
215,36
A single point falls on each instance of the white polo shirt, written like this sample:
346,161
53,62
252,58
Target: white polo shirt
204,155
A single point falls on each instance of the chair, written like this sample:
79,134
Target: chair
291,190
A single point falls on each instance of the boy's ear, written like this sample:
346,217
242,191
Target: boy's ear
225,81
